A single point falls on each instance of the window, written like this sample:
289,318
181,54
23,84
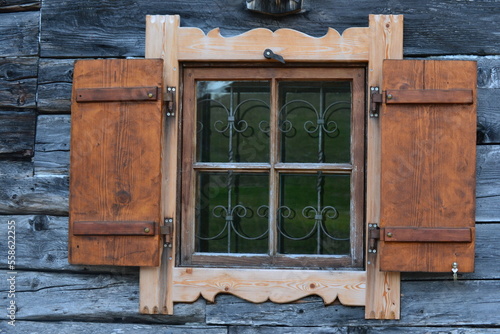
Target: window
272,166
250,142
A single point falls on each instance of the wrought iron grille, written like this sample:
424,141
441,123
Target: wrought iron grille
234,127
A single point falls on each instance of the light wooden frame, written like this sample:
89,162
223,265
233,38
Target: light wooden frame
378,291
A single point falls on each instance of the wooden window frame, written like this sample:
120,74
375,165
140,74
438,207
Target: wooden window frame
354,168
161,286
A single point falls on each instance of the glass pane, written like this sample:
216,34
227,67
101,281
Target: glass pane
233,121
315,121
314,214
230,213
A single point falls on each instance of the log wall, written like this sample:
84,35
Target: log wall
39,42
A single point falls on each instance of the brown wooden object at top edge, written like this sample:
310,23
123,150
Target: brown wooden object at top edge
428,165
115,166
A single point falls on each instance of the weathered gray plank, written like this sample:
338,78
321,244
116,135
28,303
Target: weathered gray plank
293,330
16,169
17,80
19,34
425,330
19,5
431,27
488,72
42,296
488,183
41,327
359,330
17,133
51,163
54,98
54,91
35,195
55,70
488,82
488,115
52,145
52,133
423,303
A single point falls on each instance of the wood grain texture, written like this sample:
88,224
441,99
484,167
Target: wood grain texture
80,297
18,82
116,162
488,184
69,327
34,195
432,27
19,34
54,85
488,117
52,145
19,5
155,283
382,293
292,45
278,286
428,178
17,133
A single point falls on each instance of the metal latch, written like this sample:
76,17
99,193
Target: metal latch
269,54
373,237
375,100
166,230
169,99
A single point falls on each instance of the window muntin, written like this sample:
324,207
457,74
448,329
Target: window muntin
258,143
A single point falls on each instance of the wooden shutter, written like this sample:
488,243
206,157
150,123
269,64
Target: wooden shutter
115,177
428,138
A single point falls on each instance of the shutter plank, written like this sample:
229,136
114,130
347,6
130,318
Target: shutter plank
115,183
428,167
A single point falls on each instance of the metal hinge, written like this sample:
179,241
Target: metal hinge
169,99
376,100
166,230
373,237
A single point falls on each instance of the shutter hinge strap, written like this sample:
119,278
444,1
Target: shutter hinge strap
375,101
170,99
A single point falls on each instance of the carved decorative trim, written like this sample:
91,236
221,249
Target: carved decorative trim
292,45
278,286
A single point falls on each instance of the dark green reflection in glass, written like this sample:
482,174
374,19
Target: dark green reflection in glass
314,214
228,219
315,121
233,121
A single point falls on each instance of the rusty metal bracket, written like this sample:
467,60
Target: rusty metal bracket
375,101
